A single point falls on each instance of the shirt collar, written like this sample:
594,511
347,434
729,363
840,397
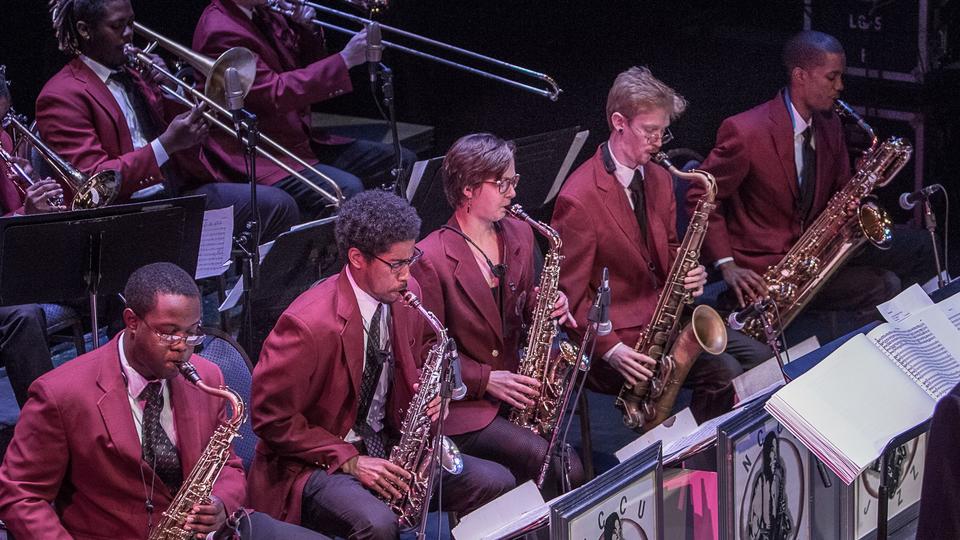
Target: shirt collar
367,303
799,124
135,381
102,72
246,11
623,173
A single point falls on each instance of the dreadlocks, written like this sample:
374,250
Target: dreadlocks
66,13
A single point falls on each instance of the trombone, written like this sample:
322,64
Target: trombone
244,62
551,92
90,191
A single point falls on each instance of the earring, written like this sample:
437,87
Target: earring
620,130
469,203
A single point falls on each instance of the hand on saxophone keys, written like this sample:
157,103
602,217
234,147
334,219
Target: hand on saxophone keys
695,279
433,407
513,389
745,283
379,475
561,310
206,518
634,366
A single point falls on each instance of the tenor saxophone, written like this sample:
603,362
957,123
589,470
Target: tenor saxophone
850,219
648,403
196,488
414,452
542,416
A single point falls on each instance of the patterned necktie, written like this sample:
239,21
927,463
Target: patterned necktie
372,368
808,173
148,125
639,202
158,451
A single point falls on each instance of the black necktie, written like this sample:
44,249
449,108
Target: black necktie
158,451
148,125
372,368
808,173
639,203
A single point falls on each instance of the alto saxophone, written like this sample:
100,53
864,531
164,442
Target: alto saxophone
196,488
850,219
542,416
648,403
414,452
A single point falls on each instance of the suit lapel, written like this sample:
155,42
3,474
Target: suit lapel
101,95
470,278
655,227
114,405
616,204
187,399
781,131
351,333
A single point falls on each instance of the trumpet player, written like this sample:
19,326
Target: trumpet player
37,198
333,378
294,71
618,211
777,165
98,113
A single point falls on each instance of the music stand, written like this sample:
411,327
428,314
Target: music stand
50,258
297,260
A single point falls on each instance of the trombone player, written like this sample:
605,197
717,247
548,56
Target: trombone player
99,114
293,72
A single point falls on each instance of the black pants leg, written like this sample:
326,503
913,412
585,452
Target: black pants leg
23,346
372,162
277,210
312,204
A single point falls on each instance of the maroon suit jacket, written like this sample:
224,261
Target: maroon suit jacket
757,221
306,388
10,196
457,293
79,119
76,446
599,229
293,71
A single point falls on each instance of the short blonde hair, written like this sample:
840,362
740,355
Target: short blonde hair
636,90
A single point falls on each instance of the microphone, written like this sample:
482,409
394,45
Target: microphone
738,319
374,49
604,326
909,200
234,93
459,389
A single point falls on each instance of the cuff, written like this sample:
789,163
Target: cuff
611,350
719,262
159,152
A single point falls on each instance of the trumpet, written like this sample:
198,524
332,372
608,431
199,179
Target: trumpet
93,191
551,92
215,70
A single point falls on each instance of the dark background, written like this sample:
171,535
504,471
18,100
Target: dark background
722,56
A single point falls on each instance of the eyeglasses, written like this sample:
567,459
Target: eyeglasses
192,340
396,266
652,135
504,184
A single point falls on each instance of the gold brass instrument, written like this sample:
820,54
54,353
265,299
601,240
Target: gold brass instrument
649,403
214,70
850,219
552,91
414,452
196,488
89,191
542,416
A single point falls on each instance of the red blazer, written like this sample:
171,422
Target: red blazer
76,446
80,120
599,229
306,388
756,221
457,293
10,196
293,71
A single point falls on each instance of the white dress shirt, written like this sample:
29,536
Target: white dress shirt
135,385
368,305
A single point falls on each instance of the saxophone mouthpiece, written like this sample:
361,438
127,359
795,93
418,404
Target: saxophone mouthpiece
189,372
517,211
661,158
410,299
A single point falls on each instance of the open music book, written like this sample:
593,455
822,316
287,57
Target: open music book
874,387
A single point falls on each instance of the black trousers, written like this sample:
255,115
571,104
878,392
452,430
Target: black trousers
23,346
277,210
711,377
372,162
260,526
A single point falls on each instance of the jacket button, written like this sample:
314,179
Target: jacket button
495,353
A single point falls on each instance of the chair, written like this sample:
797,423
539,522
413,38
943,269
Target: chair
221,349
60,317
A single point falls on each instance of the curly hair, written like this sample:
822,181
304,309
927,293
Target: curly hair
806,49
471,160
146,282
66,13
636,90
374,220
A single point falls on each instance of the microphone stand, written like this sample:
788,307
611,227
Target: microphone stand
770,334
930,222
436,465
248,132
385,75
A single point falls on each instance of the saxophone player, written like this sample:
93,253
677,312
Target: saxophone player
481,269
776,166
333,378
618,211
105,442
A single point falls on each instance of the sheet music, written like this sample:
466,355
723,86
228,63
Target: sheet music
670,430
699,438
951,308
767,375
216,240
911,300
925,345
237,291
